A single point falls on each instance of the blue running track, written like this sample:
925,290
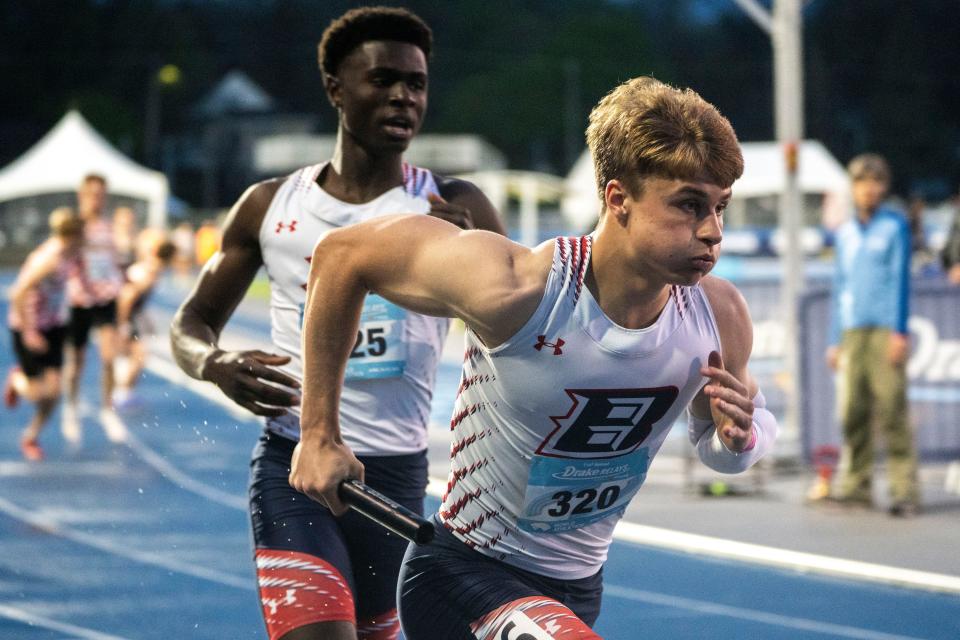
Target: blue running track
150,540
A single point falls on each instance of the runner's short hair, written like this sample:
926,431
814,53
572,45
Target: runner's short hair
361,25
64,222
166,250
646,128
869,165
94,177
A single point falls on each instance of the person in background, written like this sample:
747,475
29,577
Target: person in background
125,236
37,318
322,576
182,238
206,242
93,306
951,250
870,341
133,326
923,261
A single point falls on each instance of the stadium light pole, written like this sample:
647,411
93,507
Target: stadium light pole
784,25
166,76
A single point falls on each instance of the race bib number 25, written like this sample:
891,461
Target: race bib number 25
380,350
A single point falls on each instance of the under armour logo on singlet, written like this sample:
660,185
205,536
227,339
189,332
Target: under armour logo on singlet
290,227
557,346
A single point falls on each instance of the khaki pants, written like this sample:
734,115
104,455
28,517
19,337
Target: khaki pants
873,394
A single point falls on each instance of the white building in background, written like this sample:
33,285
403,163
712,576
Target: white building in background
447,154
535,195
229,121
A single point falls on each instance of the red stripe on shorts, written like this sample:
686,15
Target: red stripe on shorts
534,617
383,627
297,589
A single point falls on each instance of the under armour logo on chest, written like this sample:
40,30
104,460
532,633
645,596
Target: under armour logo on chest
289,227
557,346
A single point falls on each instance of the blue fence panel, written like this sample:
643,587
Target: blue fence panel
933,371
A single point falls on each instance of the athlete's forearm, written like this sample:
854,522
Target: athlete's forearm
18,301
193,341
196,327
22,311
222,283
713,453
125,301
335,294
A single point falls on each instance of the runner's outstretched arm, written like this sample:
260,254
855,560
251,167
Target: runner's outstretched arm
29,277
244,376
426,265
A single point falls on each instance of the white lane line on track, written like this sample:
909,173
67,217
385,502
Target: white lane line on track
710,608
172,373
181,479
52,527
783,558
678,540
13,613
63,468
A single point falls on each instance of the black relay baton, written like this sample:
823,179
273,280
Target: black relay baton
386,512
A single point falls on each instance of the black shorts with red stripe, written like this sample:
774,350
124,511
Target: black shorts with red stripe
448,590
314,567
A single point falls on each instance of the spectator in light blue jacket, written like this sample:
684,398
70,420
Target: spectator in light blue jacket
870,342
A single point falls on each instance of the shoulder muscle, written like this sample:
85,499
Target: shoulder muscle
434,267
733,320
245,217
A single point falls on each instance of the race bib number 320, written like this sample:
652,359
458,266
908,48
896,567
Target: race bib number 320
593,462
565,494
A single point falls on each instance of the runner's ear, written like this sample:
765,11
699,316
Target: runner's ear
332,85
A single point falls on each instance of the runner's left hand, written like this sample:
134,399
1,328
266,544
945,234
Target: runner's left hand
730,405
452,213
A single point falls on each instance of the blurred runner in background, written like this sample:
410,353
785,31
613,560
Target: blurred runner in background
125,236
93,305
206,242
38,318
133,324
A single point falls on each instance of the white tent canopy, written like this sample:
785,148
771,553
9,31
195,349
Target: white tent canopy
73,149
763,175
764,171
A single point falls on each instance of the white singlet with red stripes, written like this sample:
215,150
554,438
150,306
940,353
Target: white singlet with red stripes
554,430
101,278
46,302
385,402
